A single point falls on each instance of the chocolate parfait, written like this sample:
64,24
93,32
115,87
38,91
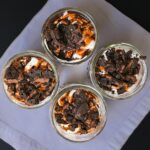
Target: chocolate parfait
30,79
78,113
119,71
69,35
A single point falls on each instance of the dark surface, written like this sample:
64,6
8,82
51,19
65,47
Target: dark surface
14,15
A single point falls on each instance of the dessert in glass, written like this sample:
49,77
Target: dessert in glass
118,71
30,79
78,112
69,36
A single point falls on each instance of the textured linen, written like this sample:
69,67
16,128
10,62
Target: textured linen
31,129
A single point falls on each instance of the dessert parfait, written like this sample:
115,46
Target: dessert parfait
78,113
119,71
30,79
69,35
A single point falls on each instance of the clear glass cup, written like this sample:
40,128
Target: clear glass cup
87,16
137,86
35,54
101,109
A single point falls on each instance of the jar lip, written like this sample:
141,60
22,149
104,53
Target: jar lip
71,87
89,17
36,54
93,78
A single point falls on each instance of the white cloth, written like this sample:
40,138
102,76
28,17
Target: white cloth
31,129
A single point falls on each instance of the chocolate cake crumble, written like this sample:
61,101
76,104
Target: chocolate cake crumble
76,111
69,35
117,70
29,79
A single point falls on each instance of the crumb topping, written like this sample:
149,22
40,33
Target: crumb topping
70,36
30,79
76,111
117,70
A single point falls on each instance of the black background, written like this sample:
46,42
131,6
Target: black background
15,14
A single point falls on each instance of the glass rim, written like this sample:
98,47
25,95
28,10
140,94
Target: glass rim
93,78
36,54
71,87
88,16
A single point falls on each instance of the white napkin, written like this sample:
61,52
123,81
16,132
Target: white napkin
31,129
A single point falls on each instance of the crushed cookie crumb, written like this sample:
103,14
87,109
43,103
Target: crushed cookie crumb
81,114
70,35
119,70
30,79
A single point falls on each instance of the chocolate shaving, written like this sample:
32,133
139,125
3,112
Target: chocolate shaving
119,70
81,113
66,34
33,85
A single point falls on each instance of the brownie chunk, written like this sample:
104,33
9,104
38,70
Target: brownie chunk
79,111
30,79
119,70
68,35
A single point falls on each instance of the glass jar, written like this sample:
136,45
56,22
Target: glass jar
60,12
34,54
100,106
134,88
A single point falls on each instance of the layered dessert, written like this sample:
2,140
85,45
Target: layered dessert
119,70
77,112
29,80
69,35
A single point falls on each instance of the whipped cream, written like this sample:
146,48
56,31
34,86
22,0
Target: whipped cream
91,45
33,62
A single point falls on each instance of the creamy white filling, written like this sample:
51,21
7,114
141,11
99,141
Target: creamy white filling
91,45
75,131
102,72
135,55
65,13
64,125
71,93
76,56
33,62
69,131
105,55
